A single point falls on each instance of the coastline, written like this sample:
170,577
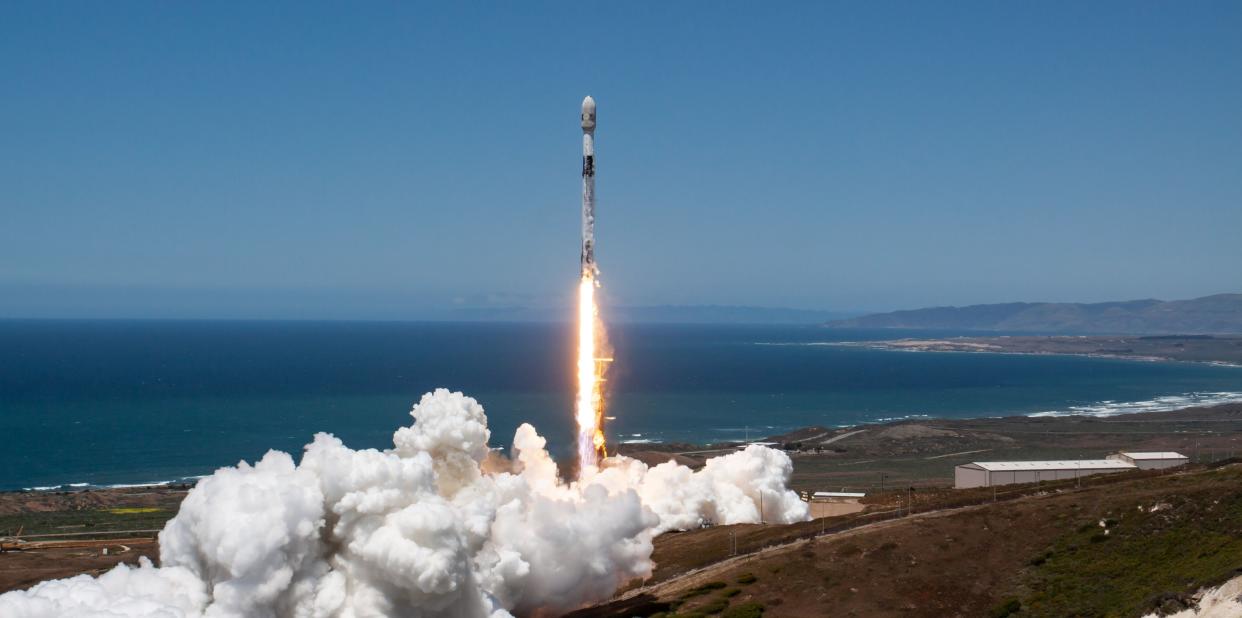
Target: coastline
690,452
1223,351
897,437
871,345
880,459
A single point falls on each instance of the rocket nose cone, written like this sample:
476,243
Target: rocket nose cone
588,114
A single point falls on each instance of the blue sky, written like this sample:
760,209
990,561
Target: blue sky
393,160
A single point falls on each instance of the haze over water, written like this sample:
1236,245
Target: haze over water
108,402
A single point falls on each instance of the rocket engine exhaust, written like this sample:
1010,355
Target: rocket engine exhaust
589,404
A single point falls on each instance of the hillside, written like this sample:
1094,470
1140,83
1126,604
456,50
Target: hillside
1218,314
1119,545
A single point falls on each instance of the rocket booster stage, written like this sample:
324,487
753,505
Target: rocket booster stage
588,188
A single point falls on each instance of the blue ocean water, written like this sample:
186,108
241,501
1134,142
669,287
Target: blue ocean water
116,402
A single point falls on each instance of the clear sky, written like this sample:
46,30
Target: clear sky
391,160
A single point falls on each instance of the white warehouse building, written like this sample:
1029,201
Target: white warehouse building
1152,460
991,473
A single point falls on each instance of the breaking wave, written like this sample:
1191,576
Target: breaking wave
1167,403
187,480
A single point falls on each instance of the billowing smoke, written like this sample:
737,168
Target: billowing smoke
437,526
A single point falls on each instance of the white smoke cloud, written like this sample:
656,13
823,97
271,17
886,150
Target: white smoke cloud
438,526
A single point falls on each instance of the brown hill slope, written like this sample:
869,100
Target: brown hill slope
1117,547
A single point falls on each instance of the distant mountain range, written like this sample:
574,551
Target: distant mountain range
1218,314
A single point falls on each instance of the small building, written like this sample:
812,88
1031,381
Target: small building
991,473
837,496
1151,460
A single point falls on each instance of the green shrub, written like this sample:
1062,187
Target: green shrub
745,610
715,607
747,578
702,589
729,592
1005,608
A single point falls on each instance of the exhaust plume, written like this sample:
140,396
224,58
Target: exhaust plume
589,406
437,526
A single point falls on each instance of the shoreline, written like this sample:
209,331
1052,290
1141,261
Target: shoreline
880,345
74,487
922,449
1219,351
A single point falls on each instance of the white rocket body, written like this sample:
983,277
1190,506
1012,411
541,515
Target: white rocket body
588,188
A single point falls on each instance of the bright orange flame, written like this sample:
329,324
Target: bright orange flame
589,407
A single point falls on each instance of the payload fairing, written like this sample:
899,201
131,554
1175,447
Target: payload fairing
588,188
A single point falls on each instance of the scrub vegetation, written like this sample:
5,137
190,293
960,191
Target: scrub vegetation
1152,555
1120,545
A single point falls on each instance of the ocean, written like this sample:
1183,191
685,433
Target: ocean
133,402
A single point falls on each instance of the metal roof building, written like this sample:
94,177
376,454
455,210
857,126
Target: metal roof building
991,473
837,496
1151,460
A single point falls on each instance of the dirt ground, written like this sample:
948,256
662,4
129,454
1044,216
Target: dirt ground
833,509
22,569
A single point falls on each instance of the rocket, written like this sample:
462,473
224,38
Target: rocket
588,188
